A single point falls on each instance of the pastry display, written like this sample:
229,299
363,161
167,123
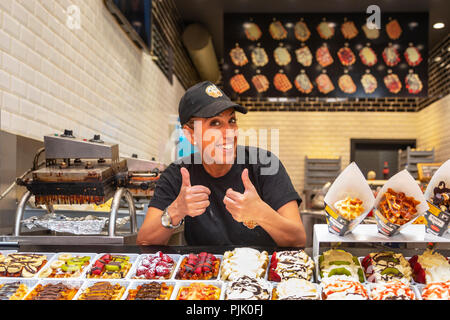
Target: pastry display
391,56
349,30
155,266
430,267
393,29
252,31
343,289
244,261
239,83
346,56
370,33
302,83
24,265
103,290
260,82
277,31
397,208
248,288
281,82
436,291
369,83
301,31
259,57
13,290
304,56
386,266
198,291
413,83
349,208
324,83
290,264
323,56
202,266
110,266
392,83
52,291
392,290
295,289
325,30
441,197
368,56
282,56
339,263
151,291
413,56
346,84
238,56
66,266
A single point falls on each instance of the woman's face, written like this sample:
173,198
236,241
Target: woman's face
215,137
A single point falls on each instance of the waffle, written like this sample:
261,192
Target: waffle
238,56
24,265
303,84
239,83
369,83
282,56
370,33
244,261
393,29
413,83
252,31
277,31
436,291
349,30
391,56
349,208
346,56
302,32
304,56
204,266
295,289
13,291
368,56
155,266
286,265
324,83
392,83
51,291
281,82
259,57
325,30
66,266
151,291
260,82
397,208
198,291
323,56
342,289
386,266
248,288
103,291
110,267
413,56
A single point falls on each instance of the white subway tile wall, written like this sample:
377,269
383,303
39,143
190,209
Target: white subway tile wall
91,80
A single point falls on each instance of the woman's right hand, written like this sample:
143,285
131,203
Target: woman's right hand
191,201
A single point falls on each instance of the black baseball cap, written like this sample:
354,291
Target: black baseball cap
205,100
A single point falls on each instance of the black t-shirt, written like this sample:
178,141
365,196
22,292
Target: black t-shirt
216,225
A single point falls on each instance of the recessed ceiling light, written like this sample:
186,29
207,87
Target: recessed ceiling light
438,25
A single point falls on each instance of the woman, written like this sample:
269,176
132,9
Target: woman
220,192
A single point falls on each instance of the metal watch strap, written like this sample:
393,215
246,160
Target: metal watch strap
170,226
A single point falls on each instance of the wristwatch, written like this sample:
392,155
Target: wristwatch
166,220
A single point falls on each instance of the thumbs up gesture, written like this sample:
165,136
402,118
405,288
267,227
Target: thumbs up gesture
192,200
243,206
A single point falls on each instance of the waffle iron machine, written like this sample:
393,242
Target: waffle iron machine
80,171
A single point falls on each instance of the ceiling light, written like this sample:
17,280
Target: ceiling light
438,25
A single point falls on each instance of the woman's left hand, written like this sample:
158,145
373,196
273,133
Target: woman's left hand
244,206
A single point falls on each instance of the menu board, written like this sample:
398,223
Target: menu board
325,55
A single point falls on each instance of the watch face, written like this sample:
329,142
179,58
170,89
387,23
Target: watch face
165,219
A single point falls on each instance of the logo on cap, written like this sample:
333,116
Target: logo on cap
213,91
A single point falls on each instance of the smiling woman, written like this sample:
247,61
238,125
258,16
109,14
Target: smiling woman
223,199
